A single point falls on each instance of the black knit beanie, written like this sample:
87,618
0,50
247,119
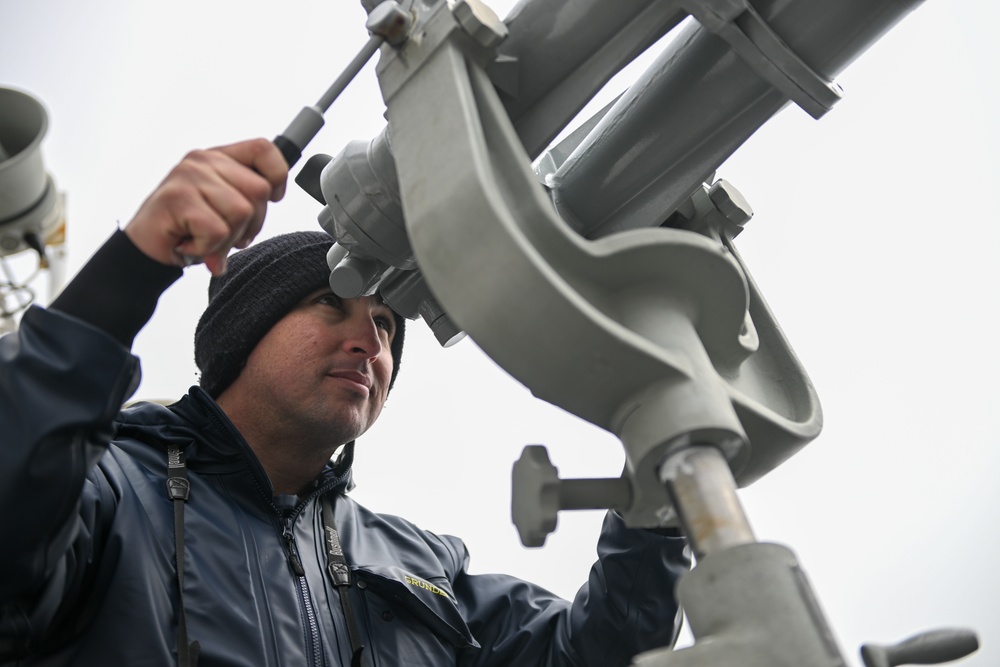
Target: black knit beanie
260,286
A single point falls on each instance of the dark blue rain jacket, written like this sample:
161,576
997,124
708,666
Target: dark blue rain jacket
87,574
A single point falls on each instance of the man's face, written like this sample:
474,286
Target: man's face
323,369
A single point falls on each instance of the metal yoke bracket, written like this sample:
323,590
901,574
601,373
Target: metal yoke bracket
659,336
642,333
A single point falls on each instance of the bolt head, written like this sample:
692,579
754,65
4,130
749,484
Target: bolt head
730,202
479,21
391,22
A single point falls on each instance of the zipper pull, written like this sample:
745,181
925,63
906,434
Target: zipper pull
293,554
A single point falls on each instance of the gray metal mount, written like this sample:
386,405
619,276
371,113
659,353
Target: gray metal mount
777,622
623,242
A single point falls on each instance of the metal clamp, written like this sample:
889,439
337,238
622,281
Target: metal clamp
739,24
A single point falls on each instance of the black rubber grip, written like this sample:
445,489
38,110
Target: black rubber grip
289,150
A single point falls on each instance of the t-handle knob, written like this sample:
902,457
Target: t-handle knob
539,494
927,648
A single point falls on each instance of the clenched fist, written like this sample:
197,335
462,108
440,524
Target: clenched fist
212,201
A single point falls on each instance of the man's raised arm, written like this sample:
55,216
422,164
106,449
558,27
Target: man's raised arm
66,371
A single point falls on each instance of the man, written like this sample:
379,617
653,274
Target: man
217,531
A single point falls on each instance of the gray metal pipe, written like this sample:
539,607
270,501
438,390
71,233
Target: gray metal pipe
559,54
703,491
695,106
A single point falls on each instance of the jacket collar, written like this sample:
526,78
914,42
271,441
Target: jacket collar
210,442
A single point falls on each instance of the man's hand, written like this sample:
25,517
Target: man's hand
214,200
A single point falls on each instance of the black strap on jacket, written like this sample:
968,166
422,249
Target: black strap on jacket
340,574
178,490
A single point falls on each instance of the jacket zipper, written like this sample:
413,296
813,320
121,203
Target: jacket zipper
314,647
257,475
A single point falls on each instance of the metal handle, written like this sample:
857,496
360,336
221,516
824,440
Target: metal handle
927,648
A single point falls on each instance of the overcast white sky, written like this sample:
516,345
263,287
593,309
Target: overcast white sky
874,241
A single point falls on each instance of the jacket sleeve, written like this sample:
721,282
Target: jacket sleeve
627,606
64,375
